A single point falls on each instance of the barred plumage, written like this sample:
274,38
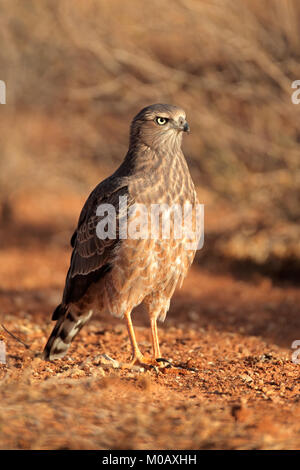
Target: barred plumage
115,275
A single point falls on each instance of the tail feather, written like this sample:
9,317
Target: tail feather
59,312
67,326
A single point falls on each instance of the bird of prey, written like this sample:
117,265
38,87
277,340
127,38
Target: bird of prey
116,274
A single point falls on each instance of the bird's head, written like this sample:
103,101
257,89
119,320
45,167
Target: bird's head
158,126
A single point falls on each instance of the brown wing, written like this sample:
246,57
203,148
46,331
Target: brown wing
92,257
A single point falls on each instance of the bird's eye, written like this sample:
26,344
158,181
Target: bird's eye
161,121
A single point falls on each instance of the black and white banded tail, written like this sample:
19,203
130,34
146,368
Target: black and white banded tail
67,326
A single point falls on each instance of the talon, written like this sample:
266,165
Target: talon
185,367
161,359
155,368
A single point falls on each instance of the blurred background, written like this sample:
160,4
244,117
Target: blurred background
77,72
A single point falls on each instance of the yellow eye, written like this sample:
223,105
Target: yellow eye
161,121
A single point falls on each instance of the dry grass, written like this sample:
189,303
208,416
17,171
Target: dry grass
236,333
244,393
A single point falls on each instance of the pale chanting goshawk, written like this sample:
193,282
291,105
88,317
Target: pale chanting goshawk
116,274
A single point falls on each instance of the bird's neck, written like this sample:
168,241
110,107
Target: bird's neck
141,159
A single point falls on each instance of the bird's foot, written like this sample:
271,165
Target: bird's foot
164,362
148,363
158,364
185,366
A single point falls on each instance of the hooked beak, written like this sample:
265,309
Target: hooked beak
186,127
182,125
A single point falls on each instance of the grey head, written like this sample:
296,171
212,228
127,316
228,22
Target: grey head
159,126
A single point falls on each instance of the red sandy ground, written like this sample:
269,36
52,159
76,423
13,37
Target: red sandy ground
243,394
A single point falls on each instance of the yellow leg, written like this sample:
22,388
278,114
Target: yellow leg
154,337
137,356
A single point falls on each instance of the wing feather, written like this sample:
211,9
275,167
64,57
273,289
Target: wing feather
92,257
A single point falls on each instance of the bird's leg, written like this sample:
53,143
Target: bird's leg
154,337
155,342
137,356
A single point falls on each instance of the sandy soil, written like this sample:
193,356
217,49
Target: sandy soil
240,389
